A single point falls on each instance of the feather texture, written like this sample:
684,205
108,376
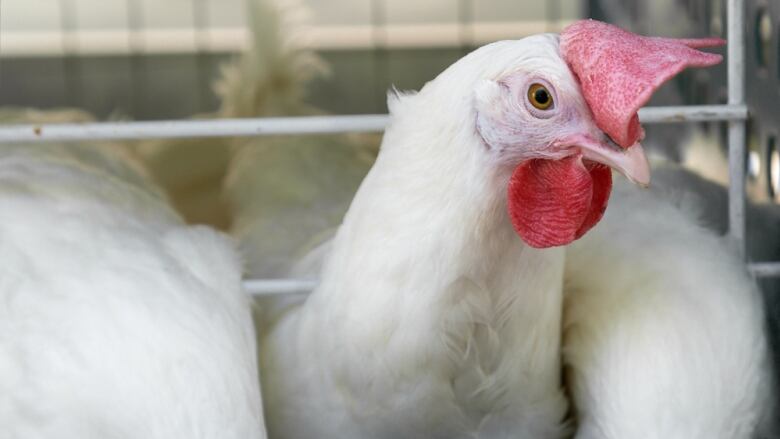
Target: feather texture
286,193
433,319
116,319
664,329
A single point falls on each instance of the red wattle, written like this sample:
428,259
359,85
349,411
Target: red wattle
602,187
554,202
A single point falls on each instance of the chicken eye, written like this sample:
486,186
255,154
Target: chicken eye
540,97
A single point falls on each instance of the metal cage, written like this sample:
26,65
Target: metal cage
734,112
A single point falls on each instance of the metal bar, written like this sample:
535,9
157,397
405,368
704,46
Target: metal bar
136,44
736,90
288,125
765,269
192,128
692,113
200,38
71,65
271,287
466,25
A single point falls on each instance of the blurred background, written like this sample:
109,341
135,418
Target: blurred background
157,59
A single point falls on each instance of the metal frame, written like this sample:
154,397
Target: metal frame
295,125
271,287
735,13
735,113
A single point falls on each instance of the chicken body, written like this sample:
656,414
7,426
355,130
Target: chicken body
279,196
268,79
431,322
287,193
664,328
432,319
117,319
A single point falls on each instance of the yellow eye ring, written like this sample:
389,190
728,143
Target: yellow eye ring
540,97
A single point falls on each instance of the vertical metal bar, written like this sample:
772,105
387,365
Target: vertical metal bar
71,63
466,25
553,16
638,11
136,42
200,19
1,33
736,89
381,63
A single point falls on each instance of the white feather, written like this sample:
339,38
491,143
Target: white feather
269,79
664,328
433,319
116,319
286,193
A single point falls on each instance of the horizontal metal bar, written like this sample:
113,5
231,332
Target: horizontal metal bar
693,113
271,287
192,128
765,269
287,125
274,287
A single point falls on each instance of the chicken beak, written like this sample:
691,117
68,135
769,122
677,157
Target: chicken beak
630,162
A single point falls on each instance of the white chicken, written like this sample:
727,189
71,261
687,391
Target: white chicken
296,175
116,319
287,193
268,79
664,331
431,318
664,328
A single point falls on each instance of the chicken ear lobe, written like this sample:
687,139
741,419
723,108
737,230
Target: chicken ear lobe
554,202
619,71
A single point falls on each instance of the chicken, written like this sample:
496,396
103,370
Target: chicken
664,328
686,309
117,320
708,179
286,193
300,174
431,318
267,80
762,236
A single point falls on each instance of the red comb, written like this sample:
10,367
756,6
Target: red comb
619,71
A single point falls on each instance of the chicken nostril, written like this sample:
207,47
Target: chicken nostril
612,144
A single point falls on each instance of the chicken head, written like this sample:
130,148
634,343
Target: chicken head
562,120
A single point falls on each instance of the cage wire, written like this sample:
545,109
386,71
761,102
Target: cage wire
138,64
